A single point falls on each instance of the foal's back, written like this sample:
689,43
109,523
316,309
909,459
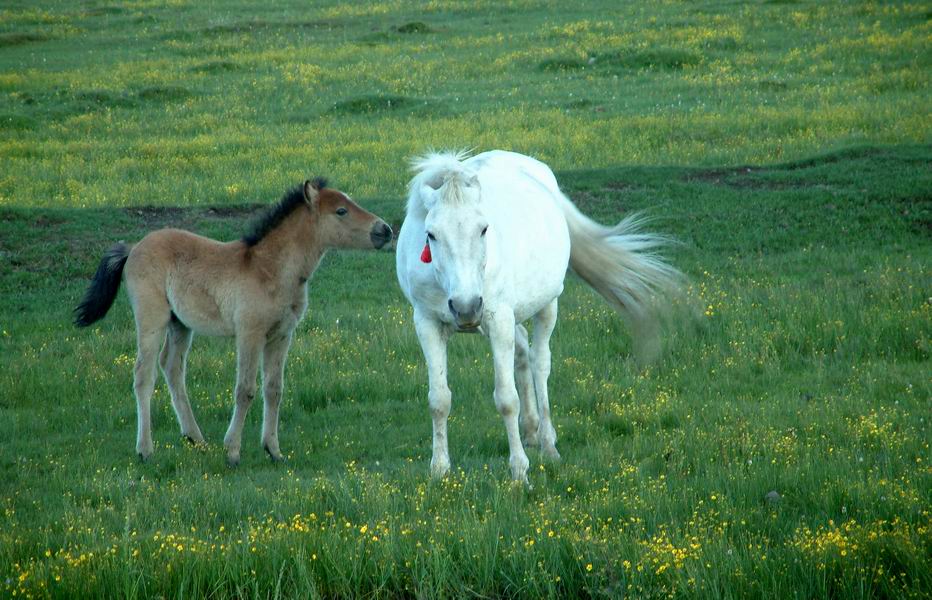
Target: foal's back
172,271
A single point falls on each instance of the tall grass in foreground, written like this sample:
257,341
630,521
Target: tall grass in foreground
779,449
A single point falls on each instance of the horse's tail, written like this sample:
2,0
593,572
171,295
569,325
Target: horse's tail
623,265
103,289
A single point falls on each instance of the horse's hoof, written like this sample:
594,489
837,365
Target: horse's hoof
551,454
232,463
276,457
439,471
143,458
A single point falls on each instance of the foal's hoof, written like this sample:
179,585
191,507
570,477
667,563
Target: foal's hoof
232,462
143,458
194,440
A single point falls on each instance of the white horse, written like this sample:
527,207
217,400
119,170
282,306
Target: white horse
485,245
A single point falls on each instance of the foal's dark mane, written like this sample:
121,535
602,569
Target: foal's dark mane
274,216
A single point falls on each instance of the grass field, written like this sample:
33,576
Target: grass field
779,448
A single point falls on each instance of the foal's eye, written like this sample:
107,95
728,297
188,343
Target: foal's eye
484,229
431,237
342,211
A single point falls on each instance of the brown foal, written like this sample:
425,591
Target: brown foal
254,289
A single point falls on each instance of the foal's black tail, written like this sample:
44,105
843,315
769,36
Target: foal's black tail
103,289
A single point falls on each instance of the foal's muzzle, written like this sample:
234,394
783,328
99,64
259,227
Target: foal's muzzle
381,234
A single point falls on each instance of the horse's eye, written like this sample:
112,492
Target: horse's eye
431,237
342,211
484,229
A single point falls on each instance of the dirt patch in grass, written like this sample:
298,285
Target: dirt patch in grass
102,11
87,100
414,27
660,59
11,122
217,66
598,203
255,25
18,38
377,103
156,217
669,59
47,221
558,65
772,85
164,93
235,210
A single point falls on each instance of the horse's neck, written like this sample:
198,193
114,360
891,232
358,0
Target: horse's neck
294,250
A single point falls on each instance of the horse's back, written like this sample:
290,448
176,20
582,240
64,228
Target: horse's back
521,198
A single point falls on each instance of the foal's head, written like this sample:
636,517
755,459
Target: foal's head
341,223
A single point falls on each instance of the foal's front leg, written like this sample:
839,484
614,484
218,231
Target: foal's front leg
502,338
248,350
273,375
433,337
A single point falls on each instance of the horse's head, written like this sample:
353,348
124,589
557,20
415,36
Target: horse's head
341,222
456,234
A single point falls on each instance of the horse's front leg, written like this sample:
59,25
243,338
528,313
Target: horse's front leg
502,337
273,376
433,337
248,353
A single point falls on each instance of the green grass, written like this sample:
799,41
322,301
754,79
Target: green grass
786,145
181,102
806,375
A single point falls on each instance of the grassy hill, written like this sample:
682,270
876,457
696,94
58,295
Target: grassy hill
779,448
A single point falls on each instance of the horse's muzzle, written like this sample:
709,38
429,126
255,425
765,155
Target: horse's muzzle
468,313
381,234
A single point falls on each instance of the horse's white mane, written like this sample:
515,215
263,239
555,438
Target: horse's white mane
435,170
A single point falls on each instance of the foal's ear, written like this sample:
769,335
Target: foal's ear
311,192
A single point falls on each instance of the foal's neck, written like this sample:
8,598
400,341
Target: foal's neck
293,249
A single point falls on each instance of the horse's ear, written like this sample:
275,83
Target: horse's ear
311,193
428,195
434,183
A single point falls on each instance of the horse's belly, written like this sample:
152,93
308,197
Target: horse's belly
196,322
199,310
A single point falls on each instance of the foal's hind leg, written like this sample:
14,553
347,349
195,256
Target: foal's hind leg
152,314
172,361
273,375
529,418
544,322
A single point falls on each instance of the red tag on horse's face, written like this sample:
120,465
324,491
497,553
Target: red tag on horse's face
425,254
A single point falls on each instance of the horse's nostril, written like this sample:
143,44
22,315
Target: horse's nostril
450,304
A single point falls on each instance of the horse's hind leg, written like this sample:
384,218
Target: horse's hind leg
529,418
544,322
273,375
172,361
152,314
